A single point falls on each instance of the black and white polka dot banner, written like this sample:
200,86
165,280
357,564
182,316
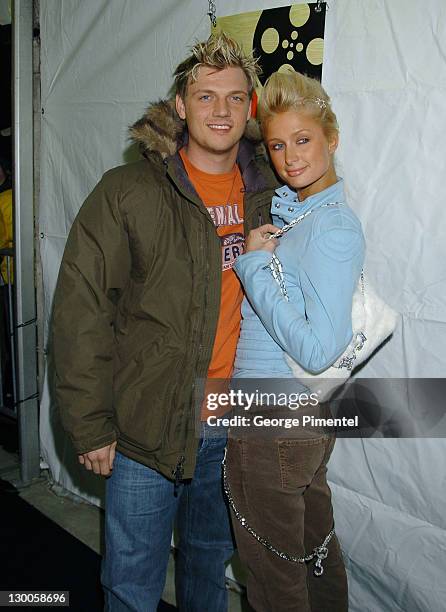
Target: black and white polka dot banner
290,37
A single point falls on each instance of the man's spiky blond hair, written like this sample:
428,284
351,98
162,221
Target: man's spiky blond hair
219,52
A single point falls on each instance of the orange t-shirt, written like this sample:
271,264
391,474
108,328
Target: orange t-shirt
222,194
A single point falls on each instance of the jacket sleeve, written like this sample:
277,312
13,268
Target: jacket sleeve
94,271
315,326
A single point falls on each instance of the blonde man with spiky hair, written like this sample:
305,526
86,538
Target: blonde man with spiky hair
218,52
147,305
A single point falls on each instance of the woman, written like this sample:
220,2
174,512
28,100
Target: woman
278,484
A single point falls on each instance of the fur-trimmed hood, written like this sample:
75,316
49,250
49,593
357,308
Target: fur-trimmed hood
161,130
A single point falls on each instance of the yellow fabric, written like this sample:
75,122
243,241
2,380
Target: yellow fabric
5,230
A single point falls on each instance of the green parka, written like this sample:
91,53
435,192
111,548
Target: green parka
137,301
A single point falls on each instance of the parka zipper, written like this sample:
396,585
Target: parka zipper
178,471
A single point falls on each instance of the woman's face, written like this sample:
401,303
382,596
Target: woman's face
300,152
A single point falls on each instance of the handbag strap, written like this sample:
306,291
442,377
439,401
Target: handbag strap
275,265
301,217
276,269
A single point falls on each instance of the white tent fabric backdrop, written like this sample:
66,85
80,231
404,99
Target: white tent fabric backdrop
385,69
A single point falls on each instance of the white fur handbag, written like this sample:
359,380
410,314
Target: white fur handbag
372,322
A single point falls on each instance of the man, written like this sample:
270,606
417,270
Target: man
147,305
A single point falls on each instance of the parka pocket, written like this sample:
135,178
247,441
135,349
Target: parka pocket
141,421
144,395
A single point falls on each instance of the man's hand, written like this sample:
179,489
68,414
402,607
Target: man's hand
100,460
259,239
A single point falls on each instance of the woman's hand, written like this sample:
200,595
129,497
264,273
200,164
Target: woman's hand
259,239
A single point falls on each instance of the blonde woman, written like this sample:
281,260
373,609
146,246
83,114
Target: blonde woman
278,484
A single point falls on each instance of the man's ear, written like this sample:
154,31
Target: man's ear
333,142
253,106
249,115
179,105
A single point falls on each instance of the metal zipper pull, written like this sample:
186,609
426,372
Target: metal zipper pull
178,474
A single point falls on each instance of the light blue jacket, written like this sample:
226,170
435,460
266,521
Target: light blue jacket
322,258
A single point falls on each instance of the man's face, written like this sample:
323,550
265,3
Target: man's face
216,109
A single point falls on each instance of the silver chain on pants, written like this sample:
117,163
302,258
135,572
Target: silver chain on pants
319,552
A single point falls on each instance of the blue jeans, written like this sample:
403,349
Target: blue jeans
141,510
